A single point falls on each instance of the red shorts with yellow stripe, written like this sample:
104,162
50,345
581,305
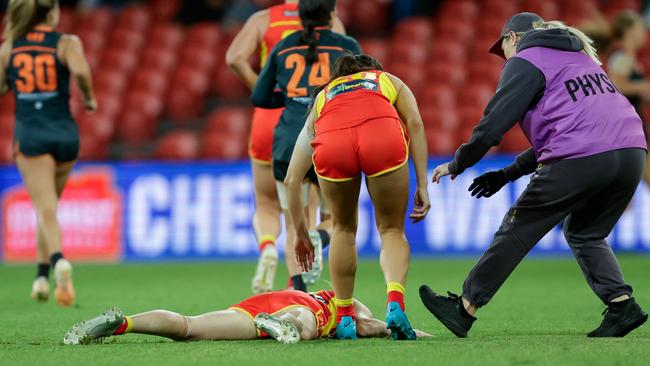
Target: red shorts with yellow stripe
260,144
278,301
375,147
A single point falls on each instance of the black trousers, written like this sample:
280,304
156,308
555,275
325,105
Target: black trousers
590,195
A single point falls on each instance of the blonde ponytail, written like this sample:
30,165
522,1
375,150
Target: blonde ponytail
23,15
587,43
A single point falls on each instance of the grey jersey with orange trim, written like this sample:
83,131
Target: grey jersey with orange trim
287,81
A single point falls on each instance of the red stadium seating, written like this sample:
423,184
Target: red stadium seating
416,29
151,81
476,94
182,107
441,141
370,16
438,95
159,59
407,52
378,48
97,19
110,81
166,36
205,35
6,149
449,51
232,120
448,73
464,10
135,128
216,145
110,105
99,126
547,9
178,145
134,18
127,40
225,84
164,10
514,141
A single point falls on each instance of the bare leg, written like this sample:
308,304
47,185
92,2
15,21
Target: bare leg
342,198
266,220
389,194
217,325
39,177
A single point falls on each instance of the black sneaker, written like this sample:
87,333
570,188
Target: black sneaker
449,310
620,319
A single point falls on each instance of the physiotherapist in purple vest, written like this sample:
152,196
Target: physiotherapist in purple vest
588,154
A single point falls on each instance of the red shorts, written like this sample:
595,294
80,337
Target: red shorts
260,144
375,147
277,301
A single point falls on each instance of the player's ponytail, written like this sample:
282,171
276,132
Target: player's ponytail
313,14
23,15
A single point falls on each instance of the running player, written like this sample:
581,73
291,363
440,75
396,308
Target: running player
298,64
264,30
359,120
36,64
287,316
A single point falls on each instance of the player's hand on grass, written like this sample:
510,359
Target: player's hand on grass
488,184
441,171
421,204
304,250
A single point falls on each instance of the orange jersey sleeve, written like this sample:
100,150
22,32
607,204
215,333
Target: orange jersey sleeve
283,20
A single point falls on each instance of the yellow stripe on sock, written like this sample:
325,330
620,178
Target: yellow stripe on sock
266,238
129,324
395,286
343,302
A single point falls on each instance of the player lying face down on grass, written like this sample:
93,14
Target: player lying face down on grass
588,154
286,316
362,121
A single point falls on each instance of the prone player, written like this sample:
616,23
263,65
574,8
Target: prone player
287,316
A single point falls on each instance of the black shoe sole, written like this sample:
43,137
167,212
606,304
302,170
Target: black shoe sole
639,322
425,293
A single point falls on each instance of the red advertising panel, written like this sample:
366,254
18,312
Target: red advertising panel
90,214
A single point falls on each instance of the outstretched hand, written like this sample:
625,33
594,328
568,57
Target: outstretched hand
441,171
488,184
421,205
304,251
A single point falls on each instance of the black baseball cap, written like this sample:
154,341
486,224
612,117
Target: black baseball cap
521,22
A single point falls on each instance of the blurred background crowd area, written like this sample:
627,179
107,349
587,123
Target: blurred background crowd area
166,93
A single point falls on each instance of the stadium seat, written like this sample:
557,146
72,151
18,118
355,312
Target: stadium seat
414,29
7,122
101,127
167,36
449,51
127,40
163,10
413,75
407,52
109,104
439,117
6,149
344,11
232,120
134,18
205,35
447,73
225,84
177,145
118,60
199,57
110,81
151,81
216,145
159,59
442,142
377,48
67,20
92,149
370,16
93,41
476,94
547,9
97,19
471,115
514,141
484,73
499,9
451,29
438,95
135,128
464,10
147,103
191,80
182,106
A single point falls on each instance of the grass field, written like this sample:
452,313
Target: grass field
539,317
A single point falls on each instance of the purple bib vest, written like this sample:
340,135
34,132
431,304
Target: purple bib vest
581,112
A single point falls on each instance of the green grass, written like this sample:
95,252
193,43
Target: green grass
539,317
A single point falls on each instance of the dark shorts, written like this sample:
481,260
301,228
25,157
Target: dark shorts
61,151
280,169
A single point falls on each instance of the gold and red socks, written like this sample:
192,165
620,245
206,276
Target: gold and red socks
344,307
126,326
395,292
265,241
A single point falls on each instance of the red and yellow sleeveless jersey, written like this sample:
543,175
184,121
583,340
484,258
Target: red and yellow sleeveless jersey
283,20
351,100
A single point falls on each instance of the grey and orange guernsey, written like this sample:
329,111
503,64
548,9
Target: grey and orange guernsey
41,87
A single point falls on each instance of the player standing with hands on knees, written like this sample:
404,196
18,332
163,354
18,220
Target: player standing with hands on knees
36,64
298,65
362,121
588,156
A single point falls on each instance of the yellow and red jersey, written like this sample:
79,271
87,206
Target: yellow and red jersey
320,303
351,100
283,20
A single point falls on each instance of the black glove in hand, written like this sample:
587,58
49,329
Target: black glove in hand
488,184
